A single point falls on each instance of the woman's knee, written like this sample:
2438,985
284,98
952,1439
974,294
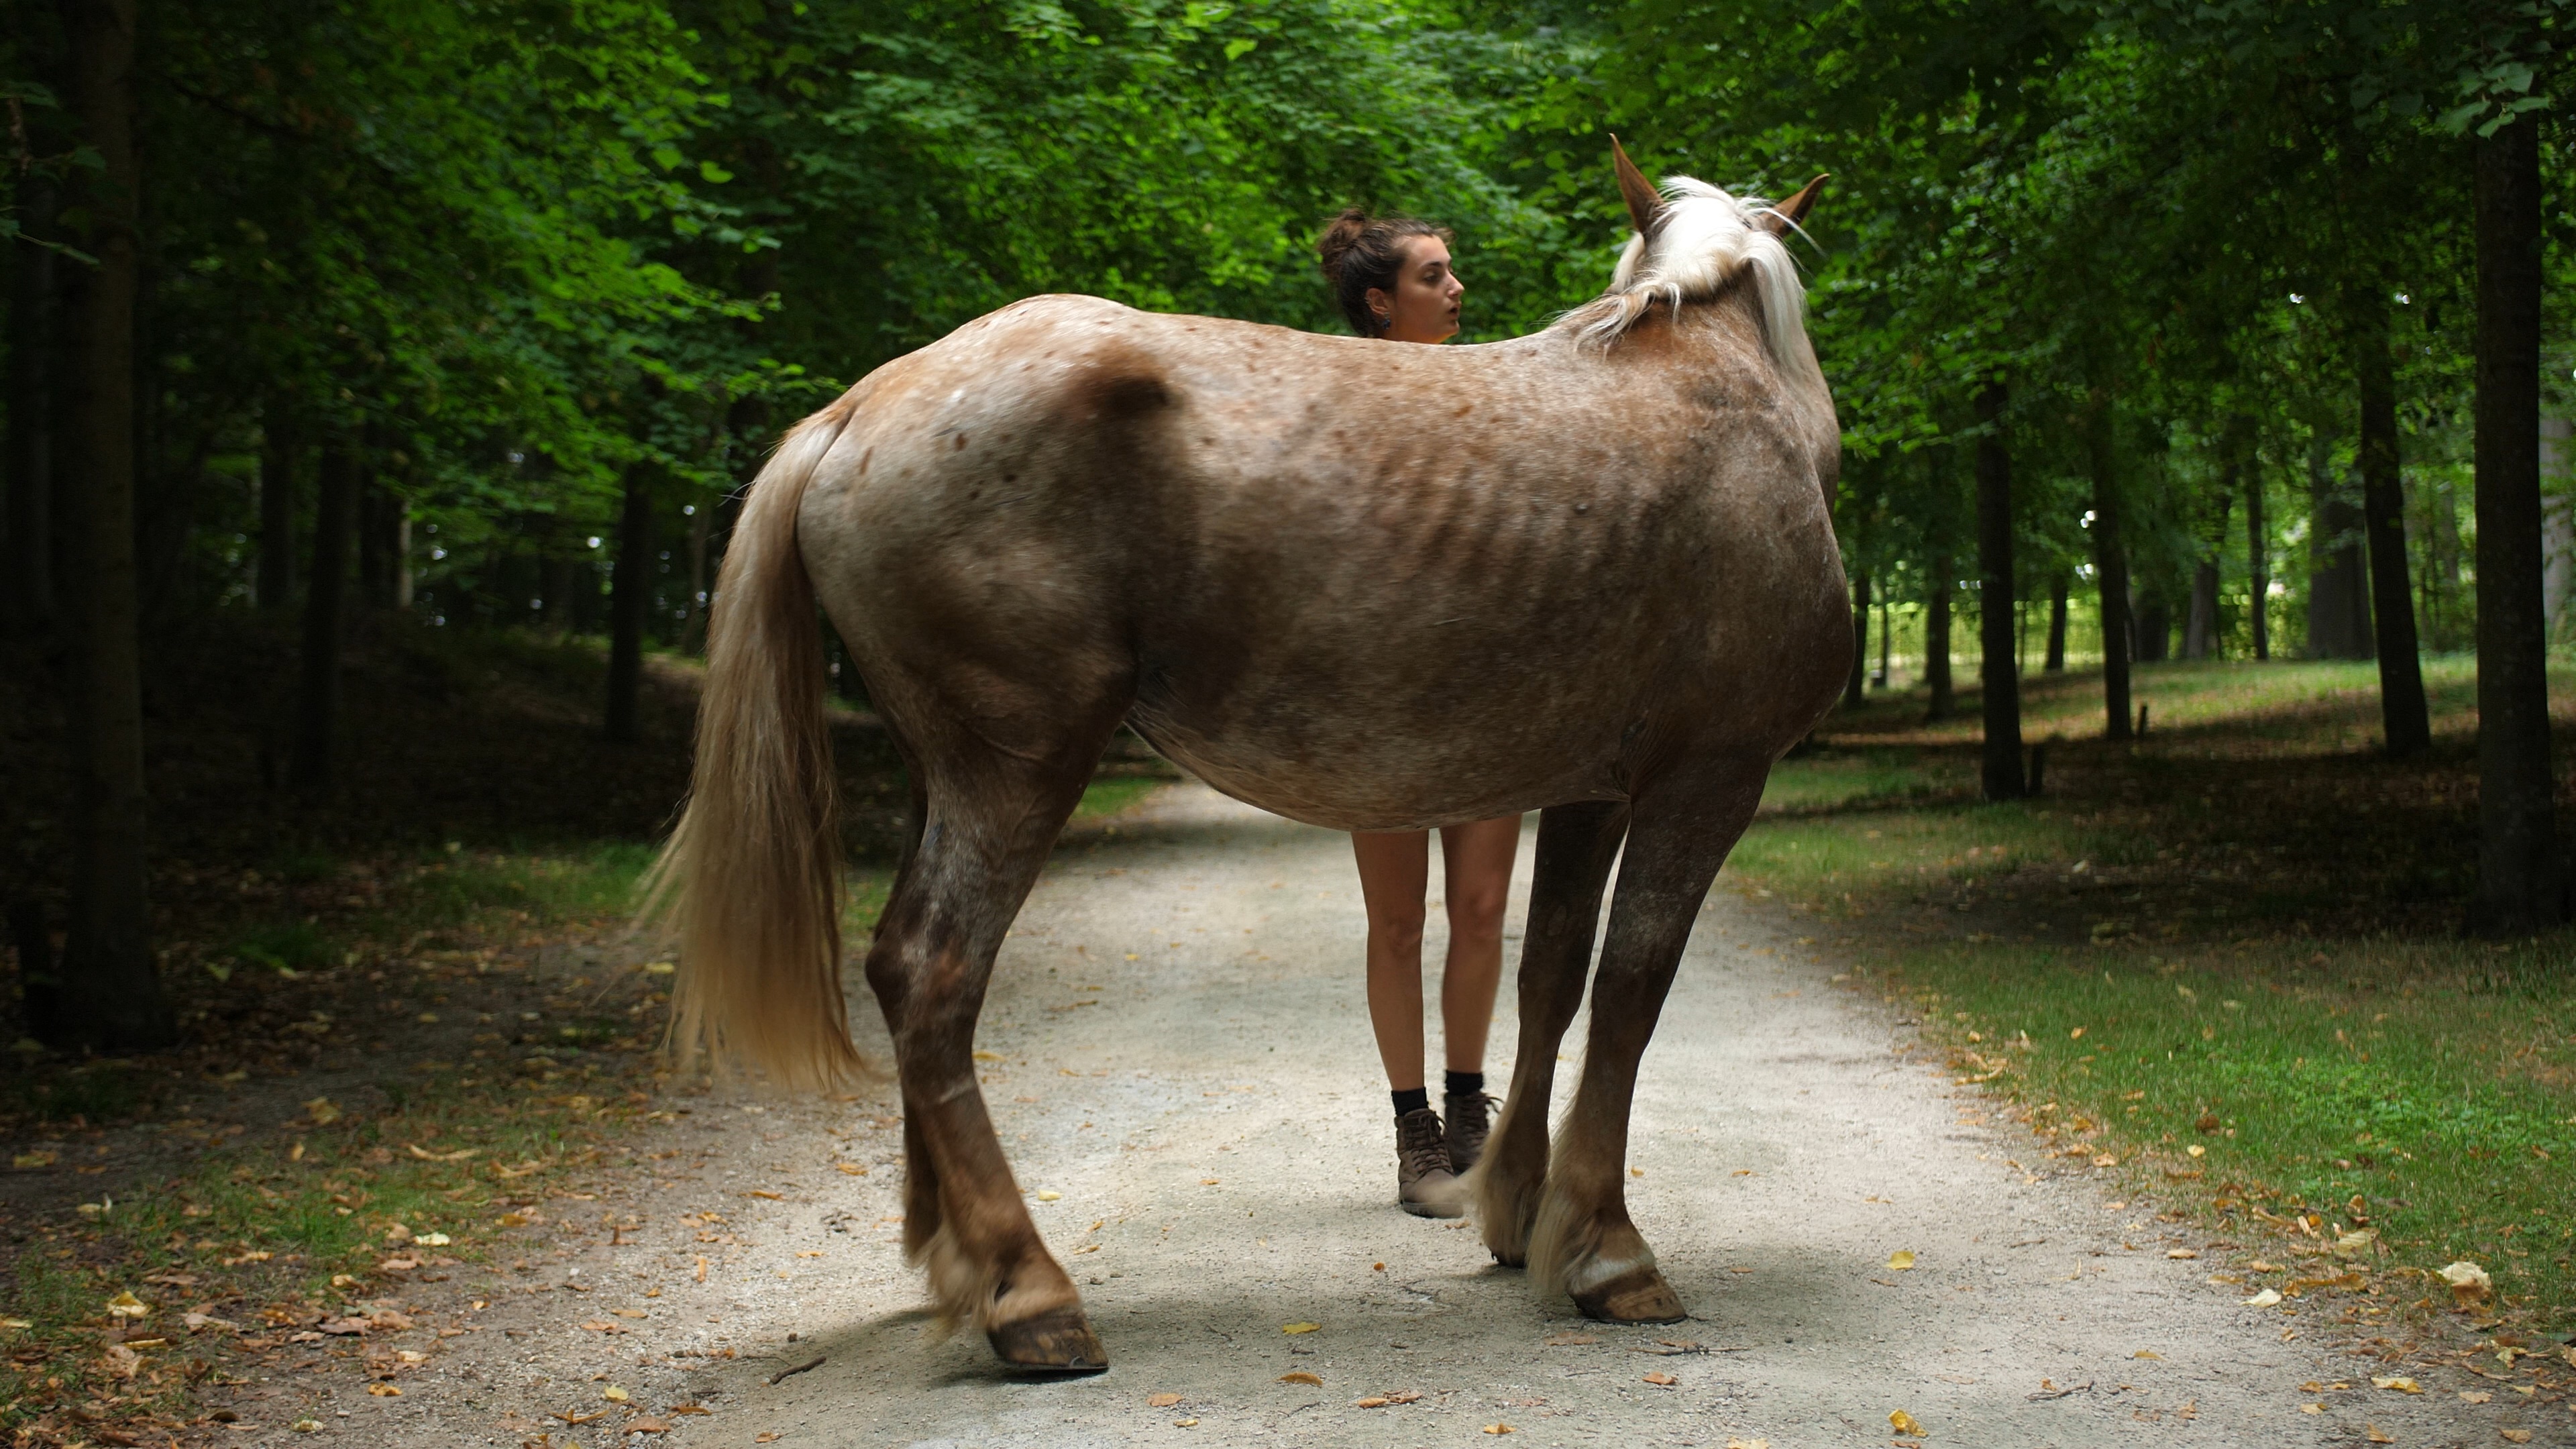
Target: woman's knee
1396,929
1477,915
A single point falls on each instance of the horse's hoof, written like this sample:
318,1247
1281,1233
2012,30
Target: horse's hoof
1638,1296
1058,1341
1510,1260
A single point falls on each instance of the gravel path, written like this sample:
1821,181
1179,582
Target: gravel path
1182,1072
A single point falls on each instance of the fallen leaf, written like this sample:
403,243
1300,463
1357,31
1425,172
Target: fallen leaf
1662,1381
323,1111
126,1305
1207,1182
2516,1436
384,1391
600,1327
397,1265
676,1410
1900,1260
1049,1195
2182,1253
1301,1378
614,1394
306,1426
1162,1401
1570,1340
2264,1299
988,1056
630,1313
2106,1160
2312,1408
1748,1444
1498,1428
1185,1423
764,1438
121,1361
647,1426
2481,1397
2376,1434
771,1196
852,1168
433,1240
2469,1283
2146,1353
1903,1422
2396,1384
1299,1327
31,1160
1373,1401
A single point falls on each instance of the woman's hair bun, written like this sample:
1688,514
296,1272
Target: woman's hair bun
1359,251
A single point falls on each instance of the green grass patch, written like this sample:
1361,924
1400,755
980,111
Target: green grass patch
1113,795
2425,1089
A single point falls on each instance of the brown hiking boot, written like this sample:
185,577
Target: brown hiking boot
1424,1185
1470,1119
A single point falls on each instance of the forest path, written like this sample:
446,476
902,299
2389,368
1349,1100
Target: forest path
1184,1062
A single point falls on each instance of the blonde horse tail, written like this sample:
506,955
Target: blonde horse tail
750,882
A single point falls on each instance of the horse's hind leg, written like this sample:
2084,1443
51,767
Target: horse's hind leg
990,822
1583,1242
1576,844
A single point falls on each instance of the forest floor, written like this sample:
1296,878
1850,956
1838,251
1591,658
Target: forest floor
417,1173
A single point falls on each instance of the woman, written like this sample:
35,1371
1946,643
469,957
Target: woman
1393,280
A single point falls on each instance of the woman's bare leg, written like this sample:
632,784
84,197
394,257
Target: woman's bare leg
1476,863
1395,866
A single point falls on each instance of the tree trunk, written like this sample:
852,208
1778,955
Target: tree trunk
279,449
1859,679
326,593
2407,728
375,554
2054,661
1936,643
1997,668
29,560
2200,621
1886,634
2151,628
630,585
2258,551
2520,882
2338,581
110,995
2110,574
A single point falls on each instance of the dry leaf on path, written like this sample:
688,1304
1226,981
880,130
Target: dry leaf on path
2397,1384
1299,1327
1373,1401
2469,1283
1662,1381
2147,1353
1904,1423
1185,1423
2516,1436
1748,1444
1900,1260
1570,1340
2182,1253
647,1426
1161,1401
2264,1299
384,1391
1498,1428
1301,1377
2376,1434
614,1394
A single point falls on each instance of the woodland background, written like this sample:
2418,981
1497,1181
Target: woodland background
338,333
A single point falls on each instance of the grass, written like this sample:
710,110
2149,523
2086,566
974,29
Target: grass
2224,960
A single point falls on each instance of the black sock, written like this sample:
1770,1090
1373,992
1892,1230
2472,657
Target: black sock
1411,1099
1464,1084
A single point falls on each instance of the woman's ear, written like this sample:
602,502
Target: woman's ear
1381,306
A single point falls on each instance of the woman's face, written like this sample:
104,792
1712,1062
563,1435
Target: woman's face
1425,305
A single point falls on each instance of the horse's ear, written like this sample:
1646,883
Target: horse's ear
1644,202
1793,212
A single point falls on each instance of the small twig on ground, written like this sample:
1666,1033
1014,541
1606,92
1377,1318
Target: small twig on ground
788,1373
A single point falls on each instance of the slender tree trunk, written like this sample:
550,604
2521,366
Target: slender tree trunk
1936,643
2408,730
111,992
2054,662
326,594
1998,669
279,449
2521,885
2338,577
29,560
1886,634
1859,679
629,585
2258,547
2110,574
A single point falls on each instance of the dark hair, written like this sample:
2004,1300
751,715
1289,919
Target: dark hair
1360,251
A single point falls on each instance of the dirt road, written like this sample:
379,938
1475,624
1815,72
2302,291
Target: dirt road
1181,1068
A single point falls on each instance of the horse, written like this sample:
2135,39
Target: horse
1591,571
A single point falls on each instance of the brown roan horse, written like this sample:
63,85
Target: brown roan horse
1365,585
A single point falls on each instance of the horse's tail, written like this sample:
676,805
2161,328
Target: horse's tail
751,880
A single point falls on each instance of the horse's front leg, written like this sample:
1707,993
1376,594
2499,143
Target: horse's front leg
964,1219
1583,1243
1576,844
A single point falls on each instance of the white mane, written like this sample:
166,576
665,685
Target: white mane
1705,240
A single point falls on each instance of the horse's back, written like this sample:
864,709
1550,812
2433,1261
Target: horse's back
1358,582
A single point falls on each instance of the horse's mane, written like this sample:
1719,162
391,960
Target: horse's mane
1704,239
